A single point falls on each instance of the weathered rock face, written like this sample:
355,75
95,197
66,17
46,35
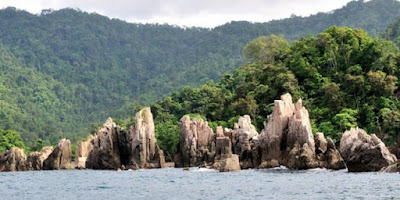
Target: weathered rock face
363,152
35,159
395,149
393,168
327,154
109,147
245,143
219,131
300,140
13,160
196,143
225,161
60,157
115,148
145,151
273,136
82,152
287,138
321,144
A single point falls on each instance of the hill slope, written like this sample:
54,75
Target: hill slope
345,78
95,67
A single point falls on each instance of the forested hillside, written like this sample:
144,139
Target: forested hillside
66,69
393,32
345,78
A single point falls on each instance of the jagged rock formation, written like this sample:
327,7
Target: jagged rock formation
145,151
287,139
225,161
245,143
115,148
273,136
13,160
82,152
363,152
327,154
35,159
196,143
300,140
110,147
60,157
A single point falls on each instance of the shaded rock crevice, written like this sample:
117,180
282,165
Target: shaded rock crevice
60,157
196,143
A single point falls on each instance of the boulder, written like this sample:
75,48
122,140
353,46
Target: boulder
82,152
13,160
230,164
225,161
60,157
196,143
363,152
35,159
328,155
333,158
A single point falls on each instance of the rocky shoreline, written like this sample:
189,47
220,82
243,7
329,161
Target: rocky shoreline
287,139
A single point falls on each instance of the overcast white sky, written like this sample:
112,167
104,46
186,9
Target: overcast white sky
204,13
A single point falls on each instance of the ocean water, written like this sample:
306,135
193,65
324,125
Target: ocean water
197,183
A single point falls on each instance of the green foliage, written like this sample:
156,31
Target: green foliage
121,123
345,77
393,32
346,119
64,70
10,139
167,134
196,116
267,49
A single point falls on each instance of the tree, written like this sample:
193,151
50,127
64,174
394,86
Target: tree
267,49
381,84
346,119
10,139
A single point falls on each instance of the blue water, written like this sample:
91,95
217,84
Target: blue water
198,184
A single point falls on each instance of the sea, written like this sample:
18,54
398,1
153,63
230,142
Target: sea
198,183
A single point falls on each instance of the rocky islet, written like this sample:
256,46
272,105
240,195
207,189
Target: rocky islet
286,139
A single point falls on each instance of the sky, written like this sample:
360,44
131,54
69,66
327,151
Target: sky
200,13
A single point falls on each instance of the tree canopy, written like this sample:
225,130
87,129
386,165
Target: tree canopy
345,77
64,70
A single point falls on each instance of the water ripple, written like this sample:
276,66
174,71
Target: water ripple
278,183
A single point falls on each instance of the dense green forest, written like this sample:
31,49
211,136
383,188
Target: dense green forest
393,32
345,77
64,70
